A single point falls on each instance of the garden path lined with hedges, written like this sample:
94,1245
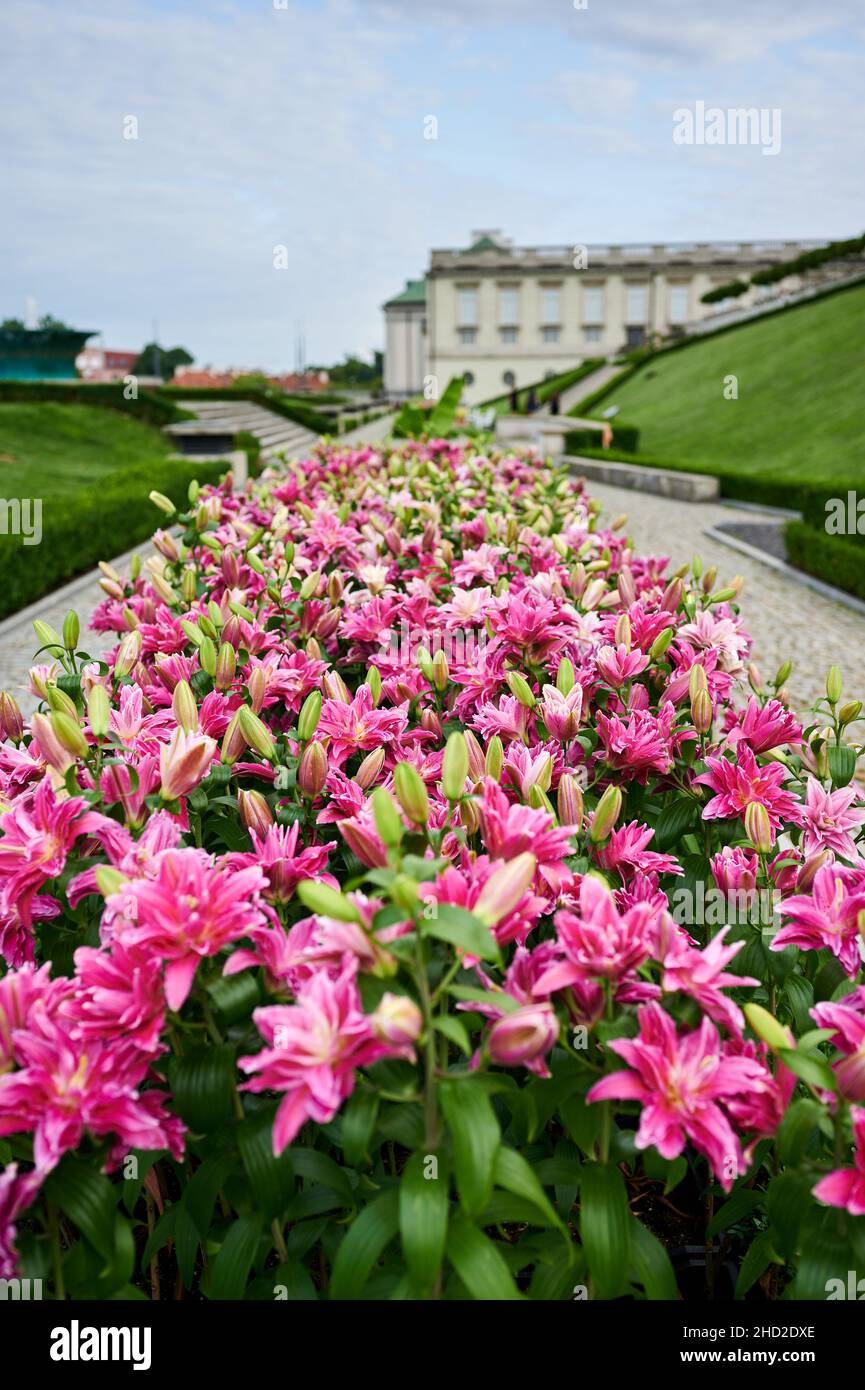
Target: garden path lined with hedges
785,619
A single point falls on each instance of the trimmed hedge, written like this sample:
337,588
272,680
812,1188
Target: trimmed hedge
768,492
837,560
544,389
299,414
153,407
625,437
80,530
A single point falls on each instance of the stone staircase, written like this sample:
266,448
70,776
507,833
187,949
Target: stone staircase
217,423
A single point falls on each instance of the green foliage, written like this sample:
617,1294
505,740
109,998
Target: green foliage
835,559
730,291
625,437
436,423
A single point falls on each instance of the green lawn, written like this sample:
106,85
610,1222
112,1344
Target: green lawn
49,450
800,414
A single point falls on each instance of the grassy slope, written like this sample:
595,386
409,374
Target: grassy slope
49,450
800,415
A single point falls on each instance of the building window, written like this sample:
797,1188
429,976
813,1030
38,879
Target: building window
678,304
637,299
509,379
509,305
550,335
551,304
508,335
468,378
593,304
592,335
467,336
467,306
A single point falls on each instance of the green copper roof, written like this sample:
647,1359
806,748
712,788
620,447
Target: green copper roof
484,243
414,293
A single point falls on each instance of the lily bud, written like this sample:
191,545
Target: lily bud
312,770
623,630
233,742
521,690
495,758
53,751
256,687
468,815
368,772
724,595
767,1028
373,680
71,630
411,793
256,733
758,827
834,685
254,812
626,587
565,676
431,724
397,1020
808,871
207,656
425,665
109,881
164,503
849,711
783,673
504,889
755,680
98,711
607,812
476,755
310,585
325,901
226,667
310,713
570,802
672,596
404,892
440,670
388,821
697,681
709,579
335,688
661,643
524,1036
58,699
184,762
68,733
701,711
11,719
455,766
128,652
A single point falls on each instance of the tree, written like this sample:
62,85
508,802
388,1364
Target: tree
154,360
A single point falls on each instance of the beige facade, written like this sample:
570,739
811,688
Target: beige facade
499,315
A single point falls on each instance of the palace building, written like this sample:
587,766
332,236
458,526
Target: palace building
501,316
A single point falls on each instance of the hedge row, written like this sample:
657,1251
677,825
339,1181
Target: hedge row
837,560
300,414
625,437
745,487
544,389
93,525
153,407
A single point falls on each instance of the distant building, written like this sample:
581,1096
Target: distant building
40,354
405,341
105,364
502,316
199,377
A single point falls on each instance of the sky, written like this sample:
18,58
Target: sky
281,180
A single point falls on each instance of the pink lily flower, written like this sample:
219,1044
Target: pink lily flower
827,917
845,1187
831,819
682,1082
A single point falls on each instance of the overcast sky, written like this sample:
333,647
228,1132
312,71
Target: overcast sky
300,123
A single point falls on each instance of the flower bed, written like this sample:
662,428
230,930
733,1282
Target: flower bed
415,906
